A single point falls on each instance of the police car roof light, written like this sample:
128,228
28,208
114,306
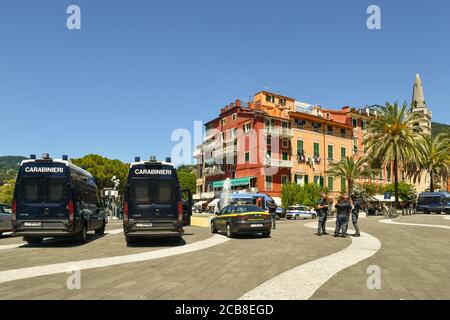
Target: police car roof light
152,159
65,157
45,156
137,159
168,159
32,156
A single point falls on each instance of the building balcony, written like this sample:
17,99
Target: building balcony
209,146
281,132
198,152
278,163
220,153
213,171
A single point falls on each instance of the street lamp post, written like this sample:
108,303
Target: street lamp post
116,183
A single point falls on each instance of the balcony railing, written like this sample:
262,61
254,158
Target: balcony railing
230,150
282,132
278,163
213,171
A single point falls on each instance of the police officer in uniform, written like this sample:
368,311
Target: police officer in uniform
355,215
343,208
273,213
322,212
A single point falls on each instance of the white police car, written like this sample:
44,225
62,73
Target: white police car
300,212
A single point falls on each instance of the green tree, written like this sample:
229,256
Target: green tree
434,156
103,169
350,170
308,194
406,192
187,179
6,192
393,137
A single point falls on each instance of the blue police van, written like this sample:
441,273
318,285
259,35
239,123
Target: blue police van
436,202
55,198
153,201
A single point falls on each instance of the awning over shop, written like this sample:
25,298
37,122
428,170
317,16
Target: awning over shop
213,203
199,204
380,198
277,201
234,182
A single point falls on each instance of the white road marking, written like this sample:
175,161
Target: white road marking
390,221
18,274
301,282
21,244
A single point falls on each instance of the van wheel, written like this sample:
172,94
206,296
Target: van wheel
130,241
82,236
213,229
425,211
1,233
230,233
266,234
101,231
33,240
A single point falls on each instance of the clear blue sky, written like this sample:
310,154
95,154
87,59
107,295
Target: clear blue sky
139,69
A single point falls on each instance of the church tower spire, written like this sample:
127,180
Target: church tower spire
418,99
419,105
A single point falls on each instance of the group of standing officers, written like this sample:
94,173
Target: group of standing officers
344,208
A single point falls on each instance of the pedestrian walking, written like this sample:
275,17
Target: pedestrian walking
355,215
343,208
322,214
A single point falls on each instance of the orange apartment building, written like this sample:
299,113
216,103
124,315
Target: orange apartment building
269,142
318,142
248,143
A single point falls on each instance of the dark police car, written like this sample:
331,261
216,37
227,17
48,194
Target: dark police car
153,204
242,219
55,198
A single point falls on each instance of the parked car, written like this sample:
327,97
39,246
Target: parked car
436,202
300,212
281,213
5,218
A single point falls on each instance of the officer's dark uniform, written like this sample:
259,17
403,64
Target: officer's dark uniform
343,208
322,214
355,215
273,213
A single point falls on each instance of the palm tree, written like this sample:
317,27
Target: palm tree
395,137
434,158
351,170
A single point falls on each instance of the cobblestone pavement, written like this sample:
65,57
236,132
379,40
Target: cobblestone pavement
413,262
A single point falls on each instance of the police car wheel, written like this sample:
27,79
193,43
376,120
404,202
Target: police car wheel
101,231
266,234
213,229
230,233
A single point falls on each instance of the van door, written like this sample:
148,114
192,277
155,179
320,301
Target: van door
186,197
153,199
42,198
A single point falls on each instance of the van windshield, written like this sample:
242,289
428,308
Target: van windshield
148,191
43,189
